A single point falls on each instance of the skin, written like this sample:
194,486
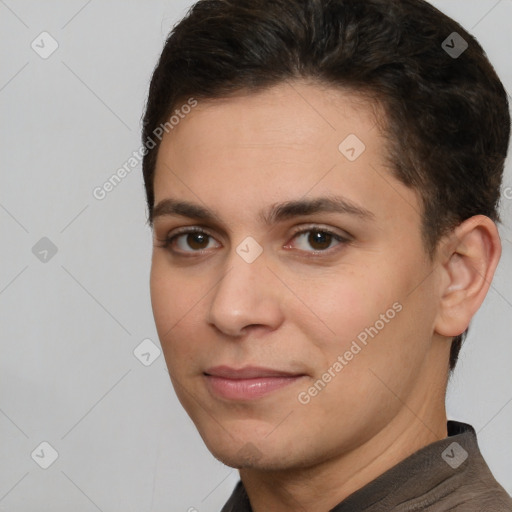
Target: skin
293,312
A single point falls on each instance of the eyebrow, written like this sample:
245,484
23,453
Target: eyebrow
276,213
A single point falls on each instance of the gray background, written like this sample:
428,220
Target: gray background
70,324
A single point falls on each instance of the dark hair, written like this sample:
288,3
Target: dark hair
447,118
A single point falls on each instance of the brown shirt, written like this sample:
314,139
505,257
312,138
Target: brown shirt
448,475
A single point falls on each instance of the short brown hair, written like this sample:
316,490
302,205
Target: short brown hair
448,122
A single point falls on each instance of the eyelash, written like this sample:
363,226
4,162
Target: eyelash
168,241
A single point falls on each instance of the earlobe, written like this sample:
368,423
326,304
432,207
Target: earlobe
472,256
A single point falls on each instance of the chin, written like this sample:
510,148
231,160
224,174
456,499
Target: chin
247,459
258,455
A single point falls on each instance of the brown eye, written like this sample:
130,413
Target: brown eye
320,240
196,241
189,240
192,241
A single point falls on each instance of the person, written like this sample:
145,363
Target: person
323,181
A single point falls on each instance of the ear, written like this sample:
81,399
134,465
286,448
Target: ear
469,260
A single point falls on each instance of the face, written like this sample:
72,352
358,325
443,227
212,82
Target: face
289,329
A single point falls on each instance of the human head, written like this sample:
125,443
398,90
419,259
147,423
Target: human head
234,165
447,119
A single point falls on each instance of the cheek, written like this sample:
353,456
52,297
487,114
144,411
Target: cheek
173,300
372,317
344,303
382,322
173,292
163,297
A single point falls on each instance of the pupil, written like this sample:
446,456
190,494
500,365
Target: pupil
194,236
324,239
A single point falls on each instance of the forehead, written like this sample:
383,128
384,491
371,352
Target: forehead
290,141
297,112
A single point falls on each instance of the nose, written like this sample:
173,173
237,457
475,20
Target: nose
248,296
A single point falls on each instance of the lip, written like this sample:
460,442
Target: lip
248,372
248,383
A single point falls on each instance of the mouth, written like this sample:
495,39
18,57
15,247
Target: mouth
249,383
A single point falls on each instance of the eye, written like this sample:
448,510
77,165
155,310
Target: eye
320,239
195,238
